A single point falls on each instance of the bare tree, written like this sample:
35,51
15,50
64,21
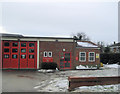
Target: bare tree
81,36
101,45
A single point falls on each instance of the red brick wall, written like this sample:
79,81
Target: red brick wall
57,48
87,50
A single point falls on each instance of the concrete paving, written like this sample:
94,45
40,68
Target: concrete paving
41,81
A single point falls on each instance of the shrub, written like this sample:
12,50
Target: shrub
110,58
48,65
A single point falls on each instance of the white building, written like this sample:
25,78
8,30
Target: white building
115,48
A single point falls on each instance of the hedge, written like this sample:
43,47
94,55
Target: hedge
48,65
110,58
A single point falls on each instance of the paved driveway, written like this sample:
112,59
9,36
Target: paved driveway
41,81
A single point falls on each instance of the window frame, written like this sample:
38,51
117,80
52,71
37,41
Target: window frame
22,50
66,59
7,57
22,44
16,56
31,55
30,50
14,45
82,56
6,49
48,54
33,45
44,54
7,45
23,58
13,49
90,56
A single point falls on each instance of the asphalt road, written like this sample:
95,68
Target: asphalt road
35,81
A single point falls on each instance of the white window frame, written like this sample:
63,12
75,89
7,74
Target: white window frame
48,54
90,56
80,57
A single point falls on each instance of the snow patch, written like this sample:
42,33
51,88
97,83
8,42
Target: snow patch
99,88
85,67
62,84
46,71
58,84
86,44
111,66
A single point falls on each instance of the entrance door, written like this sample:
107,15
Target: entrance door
14,54
65,60
23,55
32,55
6,54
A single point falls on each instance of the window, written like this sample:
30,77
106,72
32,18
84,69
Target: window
14,50
23,44
82,56
31,56
23,56
6,56
91,56
45,54
15,44
31,50
6,44
6,50
49,54
67,56
14,56
23,50
31,44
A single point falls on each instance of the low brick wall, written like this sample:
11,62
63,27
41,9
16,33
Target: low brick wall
91,81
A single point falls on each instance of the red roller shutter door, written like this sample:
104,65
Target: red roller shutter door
14,54
6,54
23,55
32,55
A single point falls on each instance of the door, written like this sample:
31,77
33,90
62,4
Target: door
32,55
14,54
6,54
65,60
23,55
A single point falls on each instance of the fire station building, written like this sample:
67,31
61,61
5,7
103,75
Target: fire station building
23,52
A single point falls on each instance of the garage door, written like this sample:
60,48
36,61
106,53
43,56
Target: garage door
22,55
32,56
28,55
14,54
6,54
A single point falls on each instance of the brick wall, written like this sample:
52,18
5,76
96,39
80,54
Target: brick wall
87,50
57,47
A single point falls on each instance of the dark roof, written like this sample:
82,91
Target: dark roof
21,36
10,35
117,44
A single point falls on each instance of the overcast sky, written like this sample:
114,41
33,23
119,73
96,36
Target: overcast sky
99,20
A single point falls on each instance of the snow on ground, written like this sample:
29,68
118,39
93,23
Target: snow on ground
58,81
111,66
85,67
56,85
46,71
99,88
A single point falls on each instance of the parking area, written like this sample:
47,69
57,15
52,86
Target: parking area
52,81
